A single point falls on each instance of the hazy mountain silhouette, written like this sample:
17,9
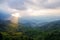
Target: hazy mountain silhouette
54,25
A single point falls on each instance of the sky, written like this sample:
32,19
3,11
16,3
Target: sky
32,8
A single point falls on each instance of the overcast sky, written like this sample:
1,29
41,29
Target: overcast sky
32,7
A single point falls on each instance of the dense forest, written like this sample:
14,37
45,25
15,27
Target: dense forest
49,31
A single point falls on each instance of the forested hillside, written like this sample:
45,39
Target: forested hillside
49,31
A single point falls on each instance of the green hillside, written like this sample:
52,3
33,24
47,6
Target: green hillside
49,31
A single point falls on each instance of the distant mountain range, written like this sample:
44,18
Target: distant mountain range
54,25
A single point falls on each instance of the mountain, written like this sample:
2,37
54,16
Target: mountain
4,20
54,25
32,22
34,33
4,25
36,20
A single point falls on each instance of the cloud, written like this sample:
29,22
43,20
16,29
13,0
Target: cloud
35,4
17,4
38,4
1,1
32,7
52,4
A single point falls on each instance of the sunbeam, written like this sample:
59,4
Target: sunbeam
14,22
